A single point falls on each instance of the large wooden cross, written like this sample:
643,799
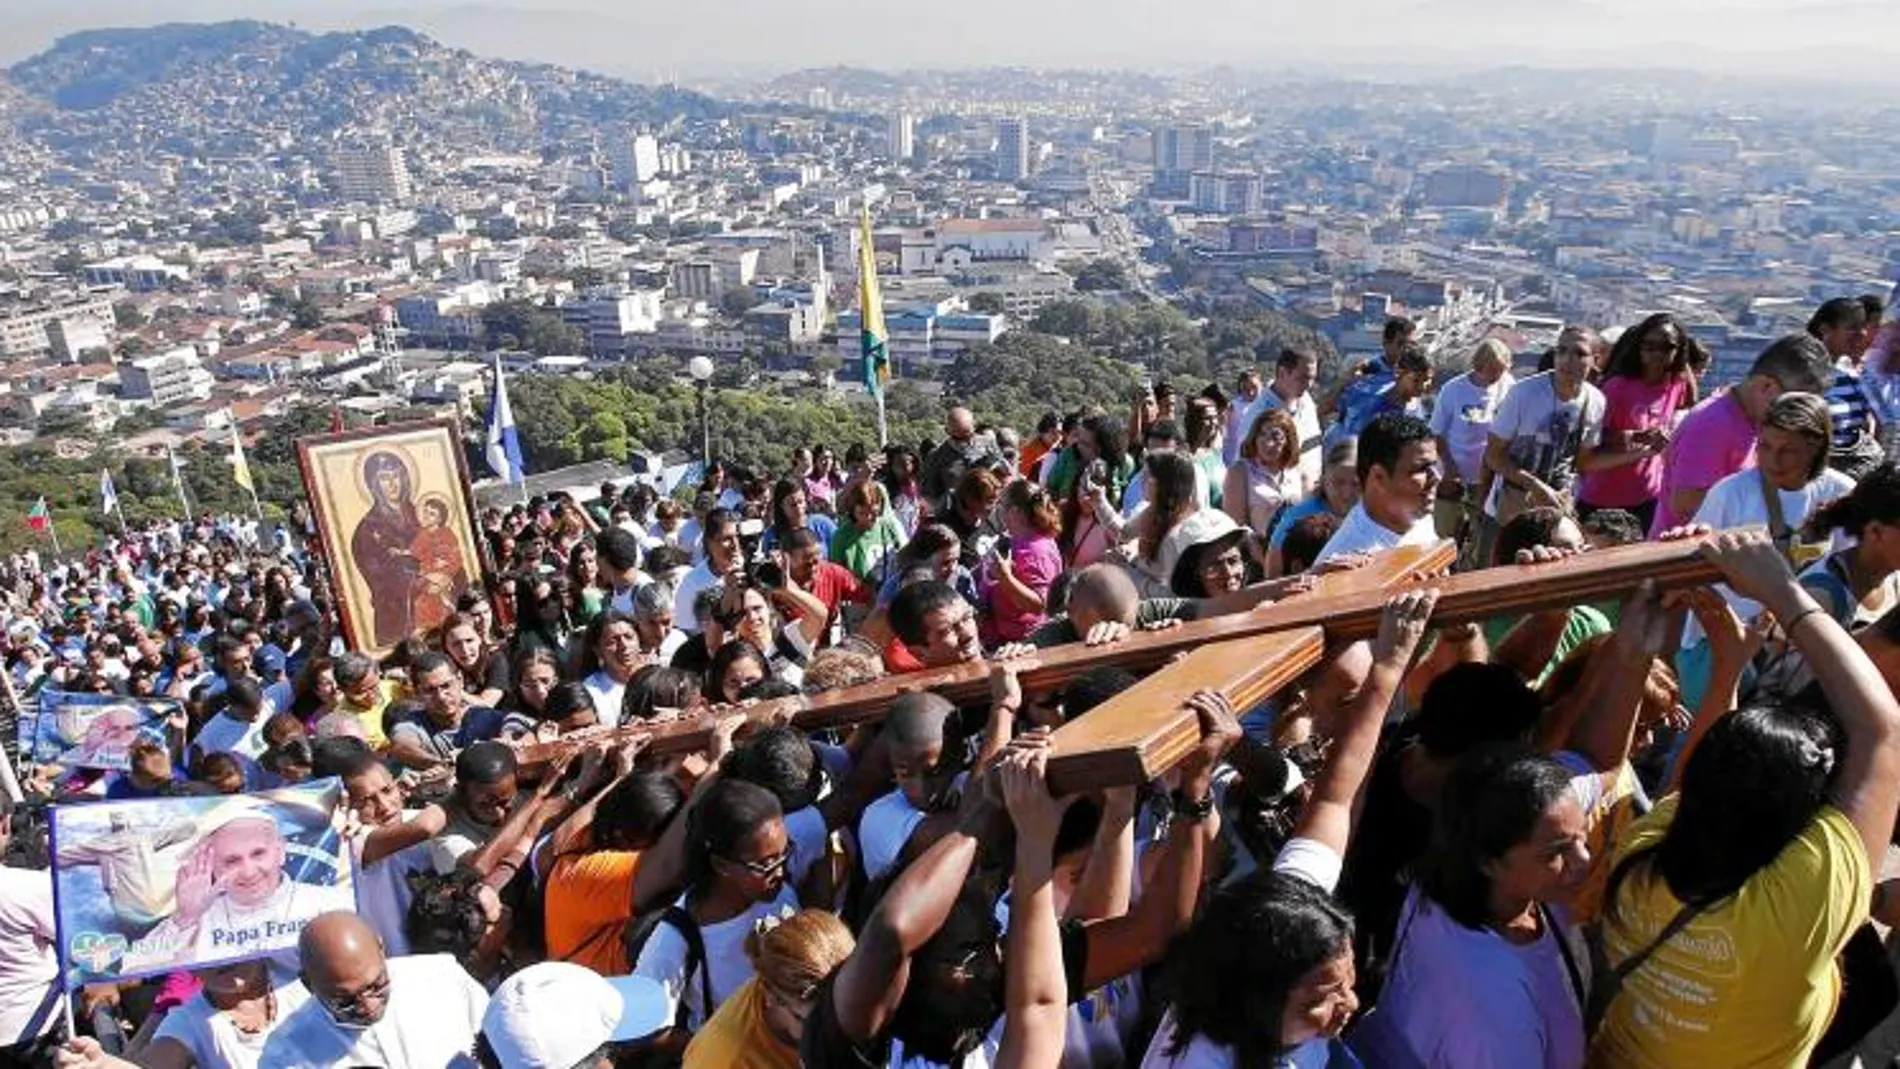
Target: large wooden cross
1248,656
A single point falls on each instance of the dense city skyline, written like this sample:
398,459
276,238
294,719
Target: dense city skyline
208,226
1834,39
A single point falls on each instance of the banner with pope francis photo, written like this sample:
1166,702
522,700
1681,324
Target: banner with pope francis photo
158,884
79,730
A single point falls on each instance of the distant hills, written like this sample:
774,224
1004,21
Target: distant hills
234,89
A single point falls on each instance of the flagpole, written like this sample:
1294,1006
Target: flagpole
109,503
9,779
53,529
178,480
501,442
874,334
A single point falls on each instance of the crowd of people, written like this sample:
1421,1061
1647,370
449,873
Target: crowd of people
1639,833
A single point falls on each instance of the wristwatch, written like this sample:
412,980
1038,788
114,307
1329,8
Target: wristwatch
1181,807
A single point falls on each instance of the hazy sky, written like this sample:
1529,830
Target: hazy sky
638,37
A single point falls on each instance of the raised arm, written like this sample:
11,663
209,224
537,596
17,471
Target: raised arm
813,615
663,869
1732,644
1603,734
1106,885
1118,946
579,825
1035,1006
399,835
1006,700
1339,789
1867,787
497,860
872,980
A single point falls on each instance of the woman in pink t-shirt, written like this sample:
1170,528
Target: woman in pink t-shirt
1647,382
1018,580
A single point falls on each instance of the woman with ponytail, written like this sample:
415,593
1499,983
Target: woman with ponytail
1846,582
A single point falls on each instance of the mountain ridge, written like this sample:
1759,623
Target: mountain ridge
251,87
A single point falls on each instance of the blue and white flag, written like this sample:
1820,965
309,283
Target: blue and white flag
108,495
503,443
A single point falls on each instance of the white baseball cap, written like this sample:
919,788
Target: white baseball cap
552,1015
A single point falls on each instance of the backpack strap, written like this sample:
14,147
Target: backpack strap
1609,983
1577,986
688,928
1777,523
1635,961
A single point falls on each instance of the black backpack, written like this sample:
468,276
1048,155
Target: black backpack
642,927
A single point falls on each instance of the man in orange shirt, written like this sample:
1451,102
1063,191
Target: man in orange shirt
1048,436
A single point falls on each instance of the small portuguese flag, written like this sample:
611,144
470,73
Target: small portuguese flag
37,517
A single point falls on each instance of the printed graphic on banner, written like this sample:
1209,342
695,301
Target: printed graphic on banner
158,884
91,730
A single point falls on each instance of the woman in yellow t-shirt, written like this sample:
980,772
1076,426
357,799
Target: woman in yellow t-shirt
760,1025
1729,903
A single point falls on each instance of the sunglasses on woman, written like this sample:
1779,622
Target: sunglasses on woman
764,868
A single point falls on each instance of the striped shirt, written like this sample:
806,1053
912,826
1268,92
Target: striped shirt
1849,408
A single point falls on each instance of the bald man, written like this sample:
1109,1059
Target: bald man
418,1012
952,457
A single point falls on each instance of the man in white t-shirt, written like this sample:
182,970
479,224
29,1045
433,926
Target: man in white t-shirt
420,1012
724,555
1239,413
1292,390
388,844
927,763
1398,475
1547,432
618,558
237,729
1548,429
1461,420
28,965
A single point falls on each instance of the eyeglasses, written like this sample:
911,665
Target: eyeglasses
354,1005
765,867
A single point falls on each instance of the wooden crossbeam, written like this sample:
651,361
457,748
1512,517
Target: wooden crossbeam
1345,606
1047,670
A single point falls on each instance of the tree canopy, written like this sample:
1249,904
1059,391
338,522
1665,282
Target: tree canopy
526,325
1077,354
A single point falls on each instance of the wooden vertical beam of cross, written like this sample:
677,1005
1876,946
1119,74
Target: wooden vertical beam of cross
1142,732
